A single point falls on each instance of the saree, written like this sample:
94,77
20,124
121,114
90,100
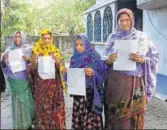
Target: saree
125,101
22,103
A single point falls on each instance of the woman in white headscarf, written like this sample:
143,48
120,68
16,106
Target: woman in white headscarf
20,89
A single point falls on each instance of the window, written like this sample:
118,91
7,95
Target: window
107,23
97,27
90,27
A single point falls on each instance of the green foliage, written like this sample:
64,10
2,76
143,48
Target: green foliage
61,16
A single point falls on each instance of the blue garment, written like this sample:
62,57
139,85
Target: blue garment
91,59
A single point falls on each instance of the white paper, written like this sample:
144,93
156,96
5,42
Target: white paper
123,49
76,81
46,67
100,50
16,61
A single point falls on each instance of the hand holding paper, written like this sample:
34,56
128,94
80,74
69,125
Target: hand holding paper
89,71
112,58
57,61
26,58
124,48
5,57
137,58
46,67
16,61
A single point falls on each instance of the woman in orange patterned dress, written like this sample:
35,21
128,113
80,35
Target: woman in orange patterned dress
48,93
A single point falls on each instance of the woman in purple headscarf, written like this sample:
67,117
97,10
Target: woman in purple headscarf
20,89
127,92
87,111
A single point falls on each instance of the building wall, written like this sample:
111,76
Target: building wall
64,43
151,4
113,8
99,1
155,25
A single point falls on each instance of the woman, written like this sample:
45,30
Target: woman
127,92
87,112
48,94
20,89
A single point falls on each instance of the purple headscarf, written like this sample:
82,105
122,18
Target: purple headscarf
90,58
87,58
146,49
26,49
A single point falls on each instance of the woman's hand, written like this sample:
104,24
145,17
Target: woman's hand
26,58
5,57
89,72
57,61
137,58
64,70
112,58
34,59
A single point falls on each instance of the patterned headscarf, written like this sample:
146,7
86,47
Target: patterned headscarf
42,49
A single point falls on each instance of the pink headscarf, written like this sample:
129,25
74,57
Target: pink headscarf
129,13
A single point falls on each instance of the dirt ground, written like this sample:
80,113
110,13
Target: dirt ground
156,115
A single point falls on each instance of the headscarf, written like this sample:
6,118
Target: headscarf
23,44
131,16
87,58
146,49
40,48
90,58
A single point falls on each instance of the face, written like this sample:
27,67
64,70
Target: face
80,46
125,22
17,39
46,38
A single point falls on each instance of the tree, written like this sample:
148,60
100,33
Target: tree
61,16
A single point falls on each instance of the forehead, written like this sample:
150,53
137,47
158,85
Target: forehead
79,40
124,15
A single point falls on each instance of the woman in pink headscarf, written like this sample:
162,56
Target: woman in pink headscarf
127,92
